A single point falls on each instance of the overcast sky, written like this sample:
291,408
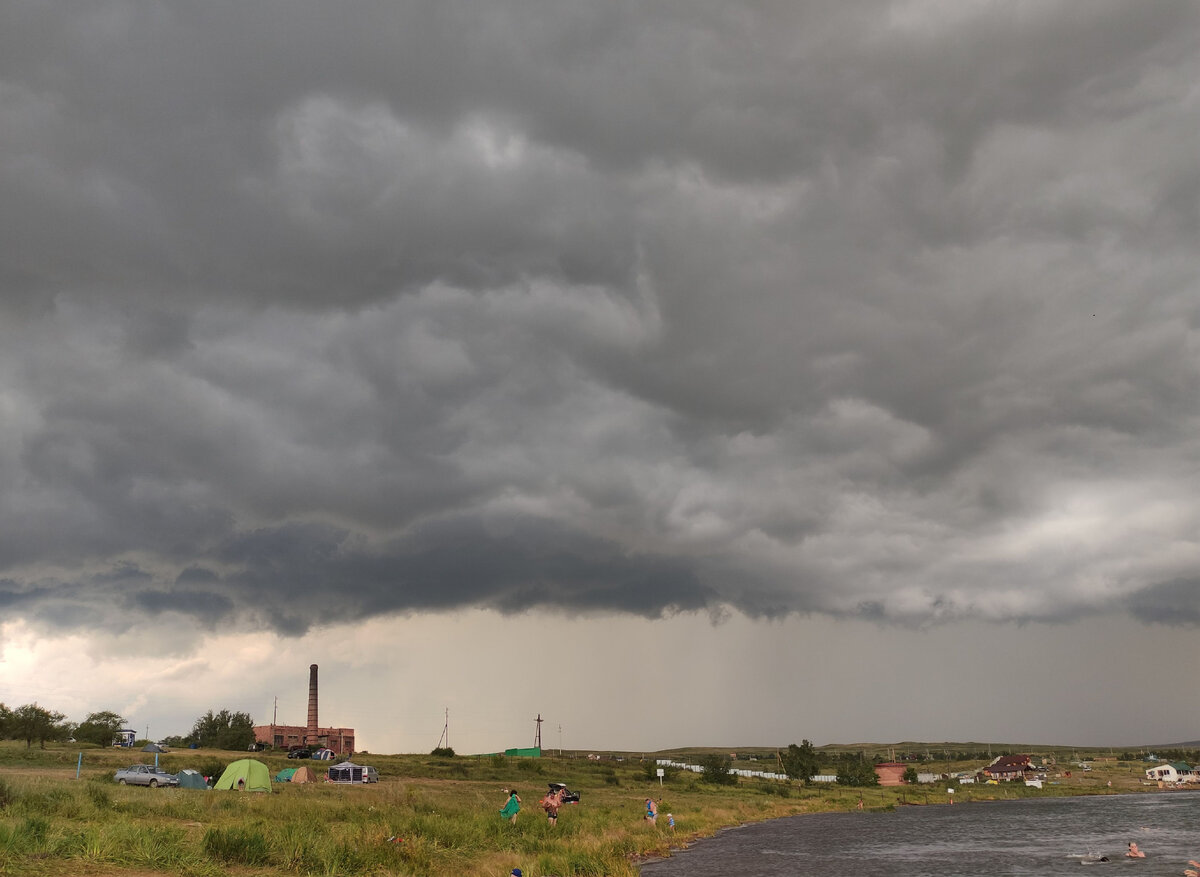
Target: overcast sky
688,373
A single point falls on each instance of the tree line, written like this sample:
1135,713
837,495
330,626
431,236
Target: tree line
36,724
800,762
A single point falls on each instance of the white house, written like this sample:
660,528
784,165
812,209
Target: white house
1177,772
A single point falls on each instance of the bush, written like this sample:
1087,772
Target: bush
650,771
715,769
442,752
857,772
212,768
8,795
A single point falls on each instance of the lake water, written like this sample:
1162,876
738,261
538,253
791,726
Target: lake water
1023,837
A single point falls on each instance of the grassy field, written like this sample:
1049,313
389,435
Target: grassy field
444,812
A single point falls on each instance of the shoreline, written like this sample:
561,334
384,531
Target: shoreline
640,860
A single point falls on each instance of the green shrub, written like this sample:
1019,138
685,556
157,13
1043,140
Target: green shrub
714,768
650,770
211,767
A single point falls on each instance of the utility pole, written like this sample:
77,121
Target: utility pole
537,739
560,739
445,731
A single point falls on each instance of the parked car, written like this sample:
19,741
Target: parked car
568,797
299,753
145,775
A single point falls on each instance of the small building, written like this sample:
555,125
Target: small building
1009,767
124,737
891,773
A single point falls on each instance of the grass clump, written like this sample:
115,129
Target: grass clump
236,846
8,795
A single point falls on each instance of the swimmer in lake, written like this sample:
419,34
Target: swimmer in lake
1134,852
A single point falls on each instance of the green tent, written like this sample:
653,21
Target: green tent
253,776
191,779
285,775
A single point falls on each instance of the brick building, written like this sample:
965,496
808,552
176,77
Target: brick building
891,773
340,740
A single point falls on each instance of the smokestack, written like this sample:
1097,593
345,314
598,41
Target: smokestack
311,736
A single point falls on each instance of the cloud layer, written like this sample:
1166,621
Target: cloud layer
886,312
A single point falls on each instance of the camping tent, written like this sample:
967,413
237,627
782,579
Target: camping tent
253,774
153,747
323,755
191,779
285,775
304,775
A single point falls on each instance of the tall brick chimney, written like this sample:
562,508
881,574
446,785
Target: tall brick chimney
311,736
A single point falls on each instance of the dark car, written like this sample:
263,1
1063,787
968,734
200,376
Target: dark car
568,797
299,753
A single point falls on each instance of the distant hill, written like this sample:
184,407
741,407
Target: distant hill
910,750
1195,744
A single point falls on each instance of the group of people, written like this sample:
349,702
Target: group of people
551,803
652,814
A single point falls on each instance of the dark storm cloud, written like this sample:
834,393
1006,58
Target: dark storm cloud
885,311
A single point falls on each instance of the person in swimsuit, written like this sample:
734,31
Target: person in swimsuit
511,807
651,811
550,804
1134,852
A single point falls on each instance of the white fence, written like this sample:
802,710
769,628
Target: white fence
695,768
